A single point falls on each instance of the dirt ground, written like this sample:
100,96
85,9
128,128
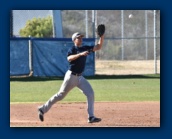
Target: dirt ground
116,67
113,114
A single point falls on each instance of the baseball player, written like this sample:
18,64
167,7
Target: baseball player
73,77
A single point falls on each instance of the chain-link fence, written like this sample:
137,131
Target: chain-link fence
132,36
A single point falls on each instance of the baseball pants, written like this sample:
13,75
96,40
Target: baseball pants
71,81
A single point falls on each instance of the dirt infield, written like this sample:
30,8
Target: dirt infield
113,114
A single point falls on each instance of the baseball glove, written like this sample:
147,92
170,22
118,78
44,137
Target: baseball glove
100,30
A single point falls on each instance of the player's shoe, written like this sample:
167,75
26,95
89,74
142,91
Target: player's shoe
93,119
40,115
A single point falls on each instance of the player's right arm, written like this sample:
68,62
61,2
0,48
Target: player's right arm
76,56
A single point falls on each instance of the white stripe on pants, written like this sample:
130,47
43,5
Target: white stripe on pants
71,81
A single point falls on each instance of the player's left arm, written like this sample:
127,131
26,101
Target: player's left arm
98,46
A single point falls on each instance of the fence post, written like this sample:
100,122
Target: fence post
122,34
146,34
30,55
93,22
155,61
86,23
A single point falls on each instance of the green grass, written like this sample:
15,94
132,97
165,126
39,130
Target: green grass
107,88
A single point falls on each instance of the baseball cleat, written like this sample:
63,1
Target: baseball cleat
40,115
93,119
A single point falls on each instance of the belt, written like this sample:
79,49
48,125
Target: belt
76,74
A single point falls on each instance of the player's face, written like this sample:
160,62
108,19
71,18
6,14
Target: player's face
78,41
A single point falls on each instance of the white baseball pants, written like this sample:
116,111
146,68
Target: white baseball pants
71,81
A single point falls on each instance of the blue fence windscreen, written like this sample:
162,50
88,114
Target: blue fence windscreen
49,57
19,57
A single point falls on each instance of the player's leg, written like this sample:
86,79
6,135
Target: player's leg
86,88
69,83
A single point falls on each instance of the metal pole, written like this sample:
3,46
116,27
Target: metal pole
146,34
122,34
155,61
30,54
86,23
53,24
96,21
93,23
